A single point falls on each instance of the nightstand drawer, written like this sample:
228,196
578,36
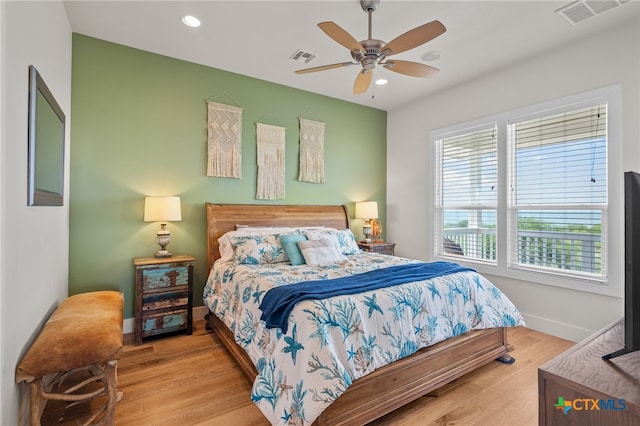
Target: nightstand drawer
164,322
165,300
382,248
165,277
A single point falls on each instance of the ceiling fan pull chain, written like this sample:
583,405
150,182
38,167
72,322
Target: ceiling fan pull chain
373,87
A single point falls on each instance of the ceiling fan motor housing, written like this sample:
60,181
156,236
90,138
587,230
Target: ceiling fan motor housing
371,55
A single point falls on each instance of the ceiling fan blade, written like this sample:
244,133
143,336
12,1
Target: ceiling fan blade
325,67
336,32
414,38
411,68
362,83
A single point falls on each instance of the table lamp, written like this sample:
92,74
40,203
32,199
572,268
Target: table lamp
163,210
367,210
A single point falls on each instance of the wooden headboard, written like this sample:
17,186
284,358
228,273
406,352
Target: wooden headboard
222,218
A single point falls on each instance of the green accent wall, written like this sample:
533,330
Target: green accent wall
139,127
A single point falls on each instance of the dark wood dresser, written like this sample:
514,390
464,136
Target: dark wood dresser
598,392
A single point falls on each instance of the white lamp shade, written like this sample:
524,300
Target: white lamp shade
162,209
367,210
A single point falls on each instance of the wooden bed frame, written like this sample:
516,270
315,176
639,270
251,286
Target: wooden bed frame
387,388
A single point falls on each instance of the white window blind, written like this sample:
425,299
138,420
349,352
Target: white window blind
466,195
558,191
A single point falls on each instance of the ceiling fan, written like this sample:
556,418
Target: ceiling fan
370,53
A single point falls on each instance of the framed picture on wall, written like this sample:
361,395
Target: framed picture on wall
46,145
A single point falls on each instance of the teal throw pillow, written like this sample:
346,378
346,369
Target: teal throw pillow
290,244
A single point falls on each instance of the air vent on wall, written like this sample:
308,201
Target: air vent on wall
304,57
580,10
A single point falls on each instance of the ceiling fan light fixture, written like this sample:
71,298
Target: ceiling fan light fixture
191,21
381,81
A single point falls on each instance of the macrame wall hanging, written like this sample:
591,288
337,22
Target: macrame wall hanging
270,141
311,151
224,144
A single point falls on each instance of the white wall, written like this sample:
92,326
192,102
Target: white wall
2,139
610,58
34,240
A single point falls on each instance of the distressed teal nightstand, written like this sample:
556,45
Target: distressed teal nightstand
382,248
164,295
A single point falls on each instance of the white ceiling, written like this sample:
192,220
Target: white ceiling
257,38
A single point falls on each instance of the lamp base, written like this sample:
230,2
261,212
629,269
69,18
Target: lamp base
161,254
366,230
164,238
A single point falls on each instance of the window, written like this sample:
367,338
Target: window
558,186
467,193
527,194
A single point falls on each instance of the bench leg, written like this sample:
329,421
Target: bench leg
36,401
104,377
108,374
111,385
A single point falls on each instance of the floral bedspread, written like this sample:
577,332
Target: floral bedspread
331,342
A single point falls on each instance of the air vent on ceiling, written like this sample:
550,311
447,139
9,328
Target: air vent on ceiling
580,10
304,57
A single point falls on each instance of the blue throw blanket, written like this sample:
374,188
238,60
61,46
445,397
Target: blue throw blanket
278,302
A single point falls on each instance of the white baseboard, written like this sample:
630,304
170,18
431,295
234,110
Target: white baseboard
558,329
127,325
198,314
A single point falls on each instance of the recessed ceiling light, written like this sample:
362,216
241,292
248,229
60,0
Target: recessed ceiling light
191,21
381,81
430,56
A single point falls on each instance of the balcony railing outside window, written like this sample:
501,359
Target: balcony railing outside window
476,243
574,251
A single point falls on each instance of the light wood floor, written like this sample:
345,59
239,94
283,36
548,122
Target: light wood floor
191,380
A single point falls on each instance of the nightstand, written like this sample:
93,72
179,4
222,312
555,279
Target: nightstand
382,248
164,295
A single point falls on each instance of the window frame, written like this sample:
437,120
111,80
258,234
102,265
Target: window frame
613,229
514,207
439,206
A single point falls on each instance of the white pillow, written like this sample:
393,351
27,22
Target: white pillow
343,239
318,252
226,251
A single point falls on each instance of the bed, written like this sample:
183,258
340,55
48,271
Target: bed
377,392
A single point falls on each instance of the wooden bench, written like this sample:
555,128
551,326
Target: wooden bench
83,338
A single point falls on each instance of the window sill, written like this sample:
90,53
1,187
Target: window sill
612,287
